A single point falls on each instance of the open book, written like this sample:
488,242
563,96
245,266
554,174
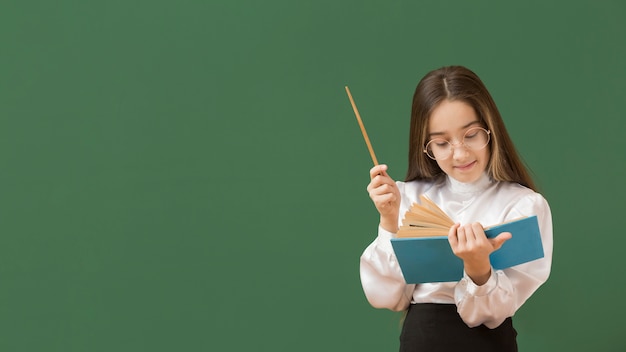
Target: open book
424,254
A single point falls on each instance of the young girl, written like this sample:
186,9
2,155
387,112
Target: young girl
462,158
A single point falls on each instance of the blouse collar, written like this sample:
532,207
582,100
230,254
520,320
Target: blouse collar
474,187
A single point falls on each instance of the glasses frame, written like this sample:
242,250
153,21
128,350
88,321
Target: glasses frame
462,143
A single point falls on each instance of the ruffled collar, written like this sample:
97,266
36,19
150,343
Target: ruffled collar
477,186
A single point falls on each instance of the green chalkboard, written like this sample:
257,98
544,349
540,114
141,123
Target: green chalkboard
189,176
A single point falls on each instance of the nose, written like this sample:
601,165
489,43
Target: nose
459,151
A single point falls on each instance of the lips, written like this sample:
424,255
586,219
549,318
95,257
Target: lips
465,166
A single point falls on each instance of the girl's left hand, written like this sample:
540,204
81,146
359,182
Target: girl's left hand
470,243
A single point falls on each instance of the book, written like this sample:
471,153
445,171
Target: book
424,253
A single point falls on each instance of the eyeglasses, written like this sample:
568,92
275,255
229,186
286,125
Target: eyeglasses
476,138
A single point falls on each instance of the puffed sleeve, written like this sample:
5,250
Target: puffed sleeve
381,277
506,290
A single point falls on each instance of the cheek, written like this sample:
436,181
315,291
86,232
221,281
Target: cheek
444,165
486,156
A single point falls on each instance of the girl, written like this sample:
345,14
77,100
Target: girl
462,158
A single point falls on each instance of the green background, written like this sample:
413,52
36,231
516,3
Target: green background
189,175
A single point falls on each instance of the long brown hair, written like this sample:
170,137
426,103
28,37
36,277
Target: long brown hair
457,83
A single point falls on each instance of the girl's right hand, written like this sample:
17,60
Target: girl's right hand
386,197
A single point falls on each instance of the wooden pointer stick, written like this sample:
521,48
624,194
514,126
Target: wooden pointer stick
358,117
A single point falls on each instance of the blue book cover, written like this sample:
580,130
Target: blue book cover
430,259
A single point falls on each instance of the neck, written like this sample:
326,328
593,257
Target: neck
472,187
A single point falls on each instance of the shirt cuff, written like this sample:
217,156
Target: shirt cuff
482,290
384,239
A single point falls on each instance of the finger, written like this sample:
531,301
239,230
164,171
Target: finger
382,184
384,199
499,240
375,183
477,227
477,231
461,235
452,235
378,170
376,188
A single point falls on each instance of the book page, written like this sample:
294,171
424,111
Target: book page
425,220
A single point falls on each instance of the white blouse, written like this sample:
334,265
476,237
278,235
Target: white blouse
487,202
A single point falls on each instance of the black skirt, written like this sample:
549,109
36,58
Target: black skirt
438,327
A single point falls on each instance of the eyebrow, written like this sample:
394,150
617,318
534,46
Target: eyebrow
463,127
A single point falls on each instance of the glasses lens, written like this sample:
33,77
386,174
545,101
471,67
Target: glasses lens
476,138
438,149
